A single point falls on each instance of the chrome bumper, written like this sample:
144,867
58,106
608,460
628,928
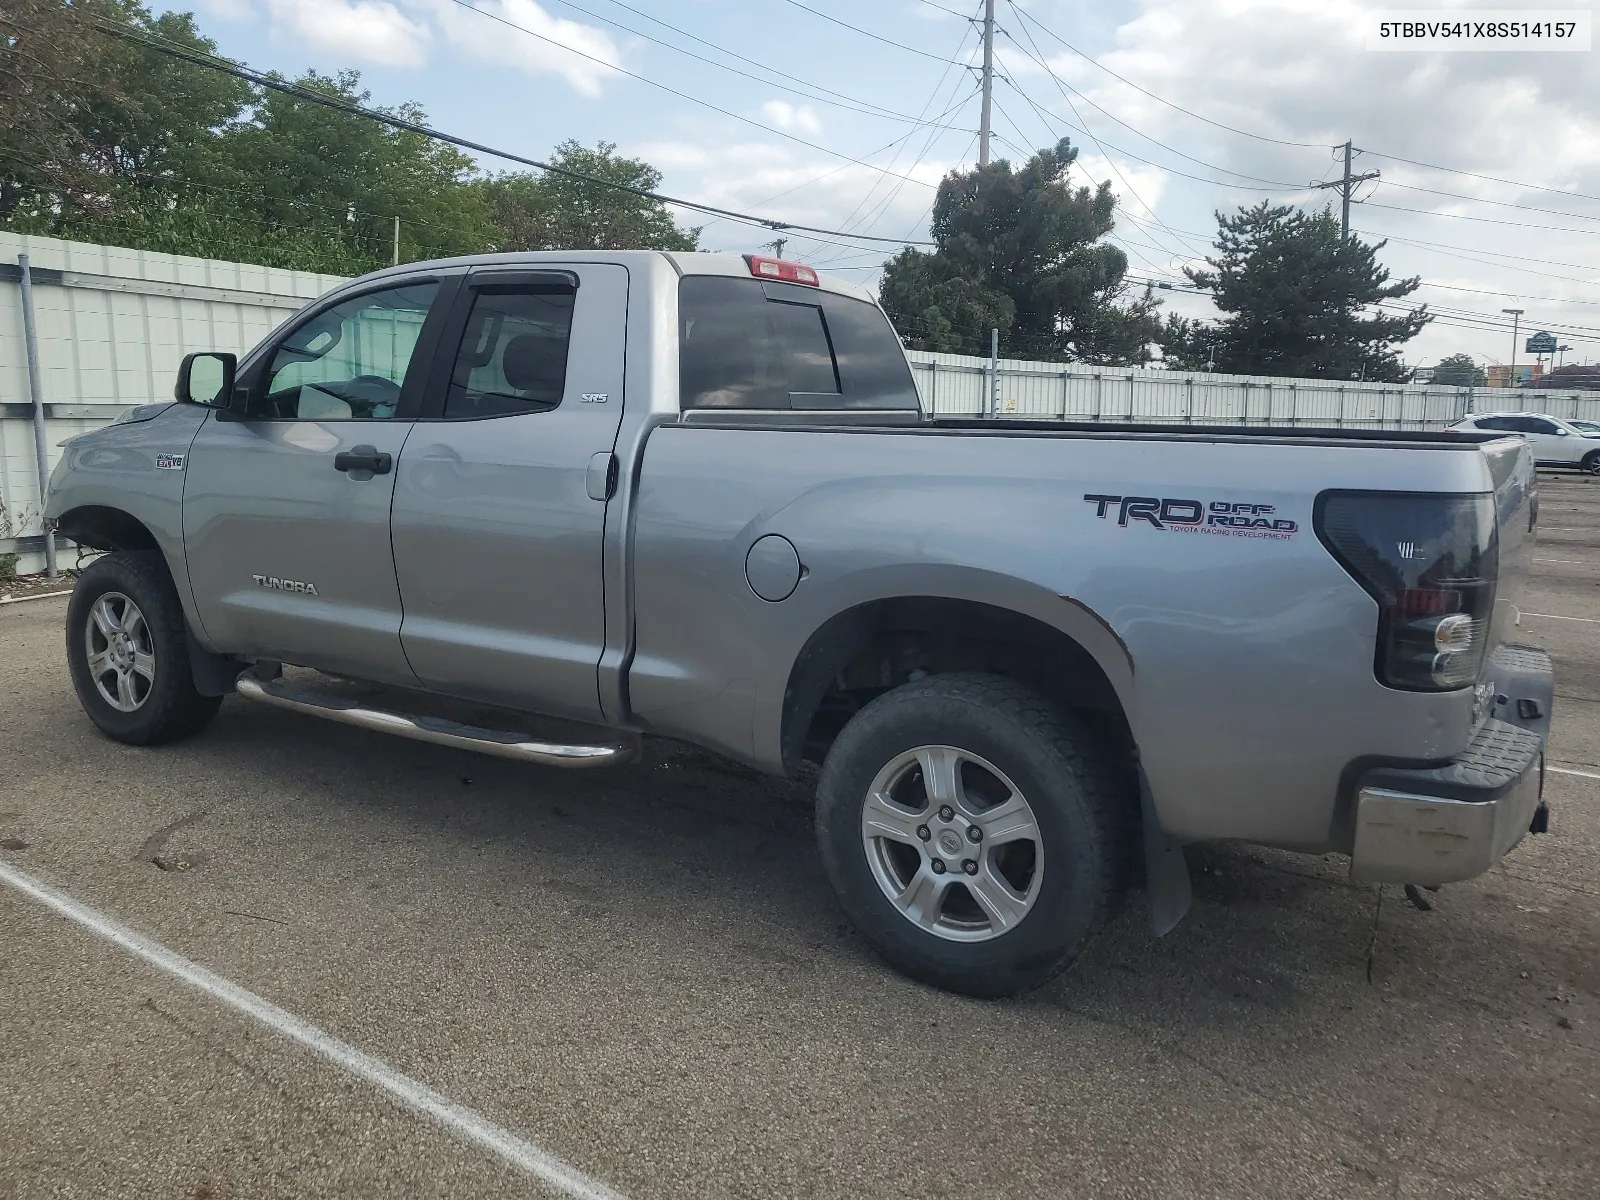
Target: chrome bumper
1401,837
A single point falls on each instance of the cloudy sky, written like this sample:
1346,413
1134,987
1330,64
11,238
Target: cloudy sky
1187,106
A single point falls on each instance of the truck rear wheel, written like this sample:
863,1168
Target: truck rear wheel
973,833
128,652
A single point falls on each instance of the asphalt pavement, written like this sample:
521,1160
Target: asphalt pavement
639,977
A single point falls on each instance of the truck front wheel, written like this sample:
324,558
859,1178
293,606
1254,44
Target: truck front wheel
973,832
128,651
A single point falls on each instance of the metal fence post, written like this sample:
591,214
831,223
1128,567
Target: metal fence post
1099,380
933,388
41,450
1066,390
1188,407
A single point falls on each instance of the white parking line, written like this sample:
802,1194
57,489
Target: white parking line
1570,771
1554,617
1566,562
35,596
514,1150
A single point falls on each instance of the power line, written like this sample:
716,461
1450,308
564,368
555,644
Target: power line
850,103
483,12
1423,212
215,63
1040,62
878,209
1061,87
1260,137
1476,175
1309,145
877,37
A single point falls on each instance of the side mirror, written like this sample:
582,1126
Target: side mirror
1561,433
206,379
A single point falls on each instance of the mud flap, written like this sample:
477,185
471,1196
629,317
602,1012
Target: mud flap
1166,870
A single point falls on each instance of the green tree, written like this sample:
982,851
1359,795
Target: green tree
1022,251
1298,300
1459,370
558,212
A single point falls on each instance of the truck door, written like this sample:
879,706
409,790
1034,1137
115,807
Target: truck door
500,501
286,504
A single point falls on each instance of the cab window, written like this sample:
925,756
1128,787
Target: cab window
759,344
348,362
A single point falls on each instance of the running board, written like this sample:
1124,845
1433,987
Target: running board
437,730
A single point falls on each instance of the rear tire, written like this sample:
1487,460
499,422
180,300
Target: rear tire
128,652
1030,860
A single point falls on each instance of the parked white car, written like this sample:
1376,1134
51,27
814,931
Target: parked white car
1555,443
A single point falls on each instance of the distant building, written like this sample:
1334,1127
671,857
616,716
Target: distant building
1574,376
1499,375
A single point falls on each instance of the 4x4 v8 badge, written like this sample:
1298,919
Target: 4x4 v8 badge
1193,516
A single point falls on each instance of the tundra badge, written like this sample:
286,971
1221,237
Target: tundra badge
285,585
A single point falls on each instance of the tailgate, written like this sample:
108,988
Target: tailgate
1517,510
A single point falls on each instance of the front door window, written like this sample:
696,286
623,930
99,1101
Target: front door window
349,361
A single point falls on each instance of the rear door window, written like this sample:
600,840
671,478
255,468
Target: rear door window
513,353
749,343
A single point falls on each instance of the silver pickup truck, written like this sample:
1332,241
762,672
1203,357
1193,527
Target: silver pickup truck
694,495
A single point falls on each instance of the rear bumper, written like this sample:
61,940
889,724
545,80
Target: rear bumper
1442,824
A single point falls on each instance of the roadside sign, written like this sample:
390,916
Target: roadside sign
1542,343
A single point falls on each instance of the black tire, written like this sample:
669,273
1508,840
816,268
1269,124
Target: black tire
1591,462
1085,822
169,707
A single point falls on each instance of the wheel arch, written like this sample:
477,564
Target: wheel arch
1054,643
104,527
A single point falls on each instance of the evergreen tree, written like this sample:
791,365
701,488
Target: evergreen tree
1298,300
1022,251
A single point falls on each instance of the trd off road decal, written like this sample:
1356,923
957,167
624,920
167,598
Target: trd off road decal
1227,518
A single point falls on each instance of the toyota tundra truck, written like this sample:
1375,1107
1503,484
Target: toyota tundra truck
614,495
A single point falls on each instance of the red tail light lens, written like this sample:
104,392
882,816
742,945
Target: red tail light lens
777,268
1430,561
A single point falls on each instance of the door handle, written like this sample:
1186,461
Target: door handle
363,458
600,480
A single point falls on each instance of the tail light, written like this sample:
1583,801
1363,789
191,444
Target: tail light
1430,561
780,269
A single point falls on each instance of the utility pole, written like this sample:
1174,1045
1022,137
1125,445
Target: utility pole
397,241
1346,185
988,82
776,245
1516,323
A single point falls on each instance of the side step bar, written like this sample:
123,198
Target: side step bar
440,732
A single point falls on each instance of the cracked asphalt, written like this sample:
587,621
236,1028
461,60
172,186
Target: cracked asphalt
643,973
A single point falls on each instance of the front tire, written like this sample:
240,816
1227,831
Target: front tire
128,652
1591,463
973,833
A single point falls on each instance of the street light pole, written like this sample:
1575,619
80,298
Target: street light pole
1516,325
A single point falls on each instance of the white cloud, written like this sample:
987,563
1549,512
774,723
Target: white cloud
793,118
581,54
1298,70
370,30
